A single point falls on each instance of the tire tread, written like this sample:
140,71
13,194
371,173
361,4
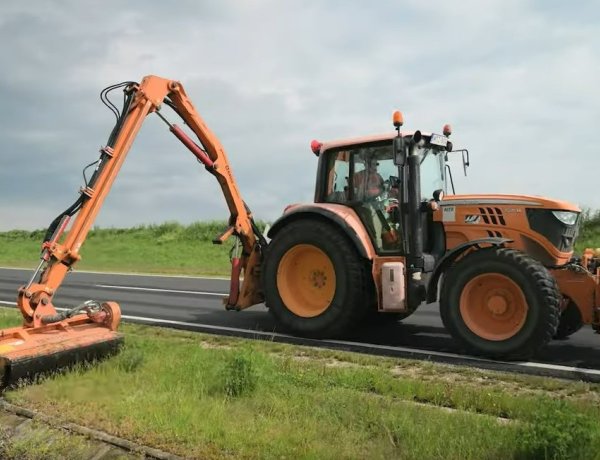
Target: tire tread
545,287
348,316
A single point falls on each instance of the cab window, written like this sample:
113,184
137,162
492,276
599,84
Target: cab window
338,177
365,178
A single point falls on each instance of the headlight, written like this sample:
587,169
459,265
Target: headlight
566,217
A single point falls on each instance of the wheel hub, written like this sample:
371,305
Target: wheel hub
497,304
318,279
306,280
493,306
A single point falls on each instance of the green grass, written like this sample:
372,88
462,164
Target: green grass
211,397
42,443
39,442
207,396
169,248
589,236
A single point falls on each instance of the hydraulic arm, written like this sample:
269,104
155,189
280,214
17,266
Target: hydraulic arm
93,325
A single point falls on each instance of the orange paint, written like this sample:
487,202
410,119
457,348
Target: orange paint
493,306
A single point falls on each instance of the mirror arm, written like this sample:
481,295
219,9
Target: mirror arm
451,179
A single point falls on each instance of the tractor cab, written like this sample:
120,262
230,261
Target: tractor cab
370,176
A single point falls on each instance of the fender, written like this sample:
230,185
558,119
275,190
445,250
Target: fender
318,212
451,256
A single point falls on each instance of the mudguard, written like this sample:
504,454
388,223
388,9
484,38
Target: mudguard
342,216
450,257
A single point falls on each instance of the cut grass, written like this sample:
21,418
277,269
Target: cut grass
207,396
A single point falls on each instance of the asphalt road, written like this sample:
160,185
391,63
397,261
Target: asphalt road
198,300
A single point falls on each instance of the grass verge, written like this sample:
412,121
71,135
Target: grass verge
205,396
168,248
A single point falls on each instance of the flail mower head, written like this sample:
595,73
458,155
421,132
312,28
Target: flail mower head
67,340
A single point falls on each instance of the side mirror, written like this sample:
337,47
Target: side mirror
416,137
465,158
399,151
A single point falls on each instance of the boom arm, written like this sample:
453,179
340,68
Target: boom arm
35,299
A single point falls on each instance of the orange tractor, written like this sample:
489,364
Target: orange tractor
381,238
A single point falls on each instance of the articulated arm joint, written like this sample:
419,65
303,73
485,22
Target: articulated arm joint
60,253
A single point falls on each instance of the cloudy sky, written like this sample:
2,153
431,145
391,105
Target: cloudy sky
518,80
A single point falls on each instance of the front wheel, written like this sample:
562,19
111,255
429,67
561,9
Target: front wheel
500,303
315,282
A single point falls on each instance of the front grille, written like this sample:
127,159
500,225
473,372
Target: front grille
560,235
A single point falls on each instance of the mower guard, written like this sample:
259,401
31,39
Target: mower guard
26,352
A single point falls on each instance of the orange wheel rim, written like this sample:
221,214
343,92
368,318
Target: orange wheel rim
306,280
493,306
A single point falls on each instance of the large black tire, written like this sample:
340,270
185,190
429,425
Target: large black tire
351,296
570,322
532,283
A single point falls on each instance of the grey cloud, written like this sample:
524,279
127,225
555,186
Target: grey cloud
516,80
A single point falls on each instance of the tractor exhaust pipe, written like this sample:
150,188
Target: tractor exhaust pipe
416,289
408,160
415,223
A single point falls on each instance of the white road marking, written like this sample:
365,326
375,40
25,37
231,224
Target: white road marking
155,275
14,304
176,291
525,364
414,351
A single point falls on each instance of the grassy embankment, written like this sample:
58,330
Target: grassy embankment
168,248
206,396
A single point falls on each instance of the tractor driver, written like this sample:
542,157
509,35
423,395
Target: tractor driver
368,183
370,188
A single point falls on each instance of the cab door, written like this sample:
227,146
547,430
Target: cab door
365,178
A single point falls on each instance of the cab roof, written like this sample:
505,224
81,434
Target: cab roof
348,142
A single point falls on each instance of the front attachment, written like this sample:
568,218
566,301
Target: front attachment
26,352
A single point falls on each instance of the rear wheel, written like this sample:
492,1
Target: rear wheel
315,283
500,303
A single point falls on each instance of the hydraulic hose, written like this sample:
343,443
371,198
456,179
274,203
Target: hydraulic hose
67,212
71,210
86,306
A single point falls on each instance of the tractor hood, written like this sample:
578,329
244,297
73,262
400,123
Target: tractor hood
517,200
542,227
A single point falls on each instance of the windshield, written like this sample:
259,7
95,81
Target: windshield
432,173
